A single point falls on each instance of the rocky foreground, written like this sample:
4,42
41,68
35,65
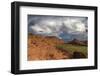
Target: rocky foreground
43,48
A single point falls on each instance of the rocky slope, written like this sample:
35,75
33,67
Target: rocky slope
43,48
78,42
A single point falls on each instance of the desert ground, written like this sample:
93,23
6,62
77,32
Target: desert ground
52,48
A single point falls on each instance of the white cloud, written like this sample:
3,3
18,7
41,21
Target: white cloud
54,26
74,25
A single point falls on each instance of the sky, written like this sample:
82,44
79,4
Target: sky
63,27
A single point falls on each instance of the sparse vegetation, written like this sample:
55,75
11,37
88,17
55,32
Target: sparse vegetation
73,48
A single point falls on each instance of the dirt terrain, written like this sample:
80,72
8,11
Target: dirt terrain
43,48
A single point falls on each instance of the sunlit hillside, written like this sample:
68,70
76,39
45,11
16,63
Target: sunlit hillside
52,48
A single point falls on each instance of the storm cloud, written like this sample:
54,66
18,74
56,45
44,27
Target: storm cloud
64,27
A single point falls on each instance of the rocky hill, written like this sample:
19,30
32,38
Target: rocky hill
78,42
43,48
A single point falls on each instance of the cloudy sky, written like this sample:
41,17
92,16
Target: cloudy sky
63,27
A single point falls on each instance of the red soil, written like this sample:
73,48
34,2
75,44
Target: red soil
43,48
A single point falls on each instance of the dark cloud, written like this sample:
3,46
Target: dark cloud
65,27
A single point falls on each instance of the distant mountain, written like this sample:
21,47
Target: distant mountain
78,42
51,37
